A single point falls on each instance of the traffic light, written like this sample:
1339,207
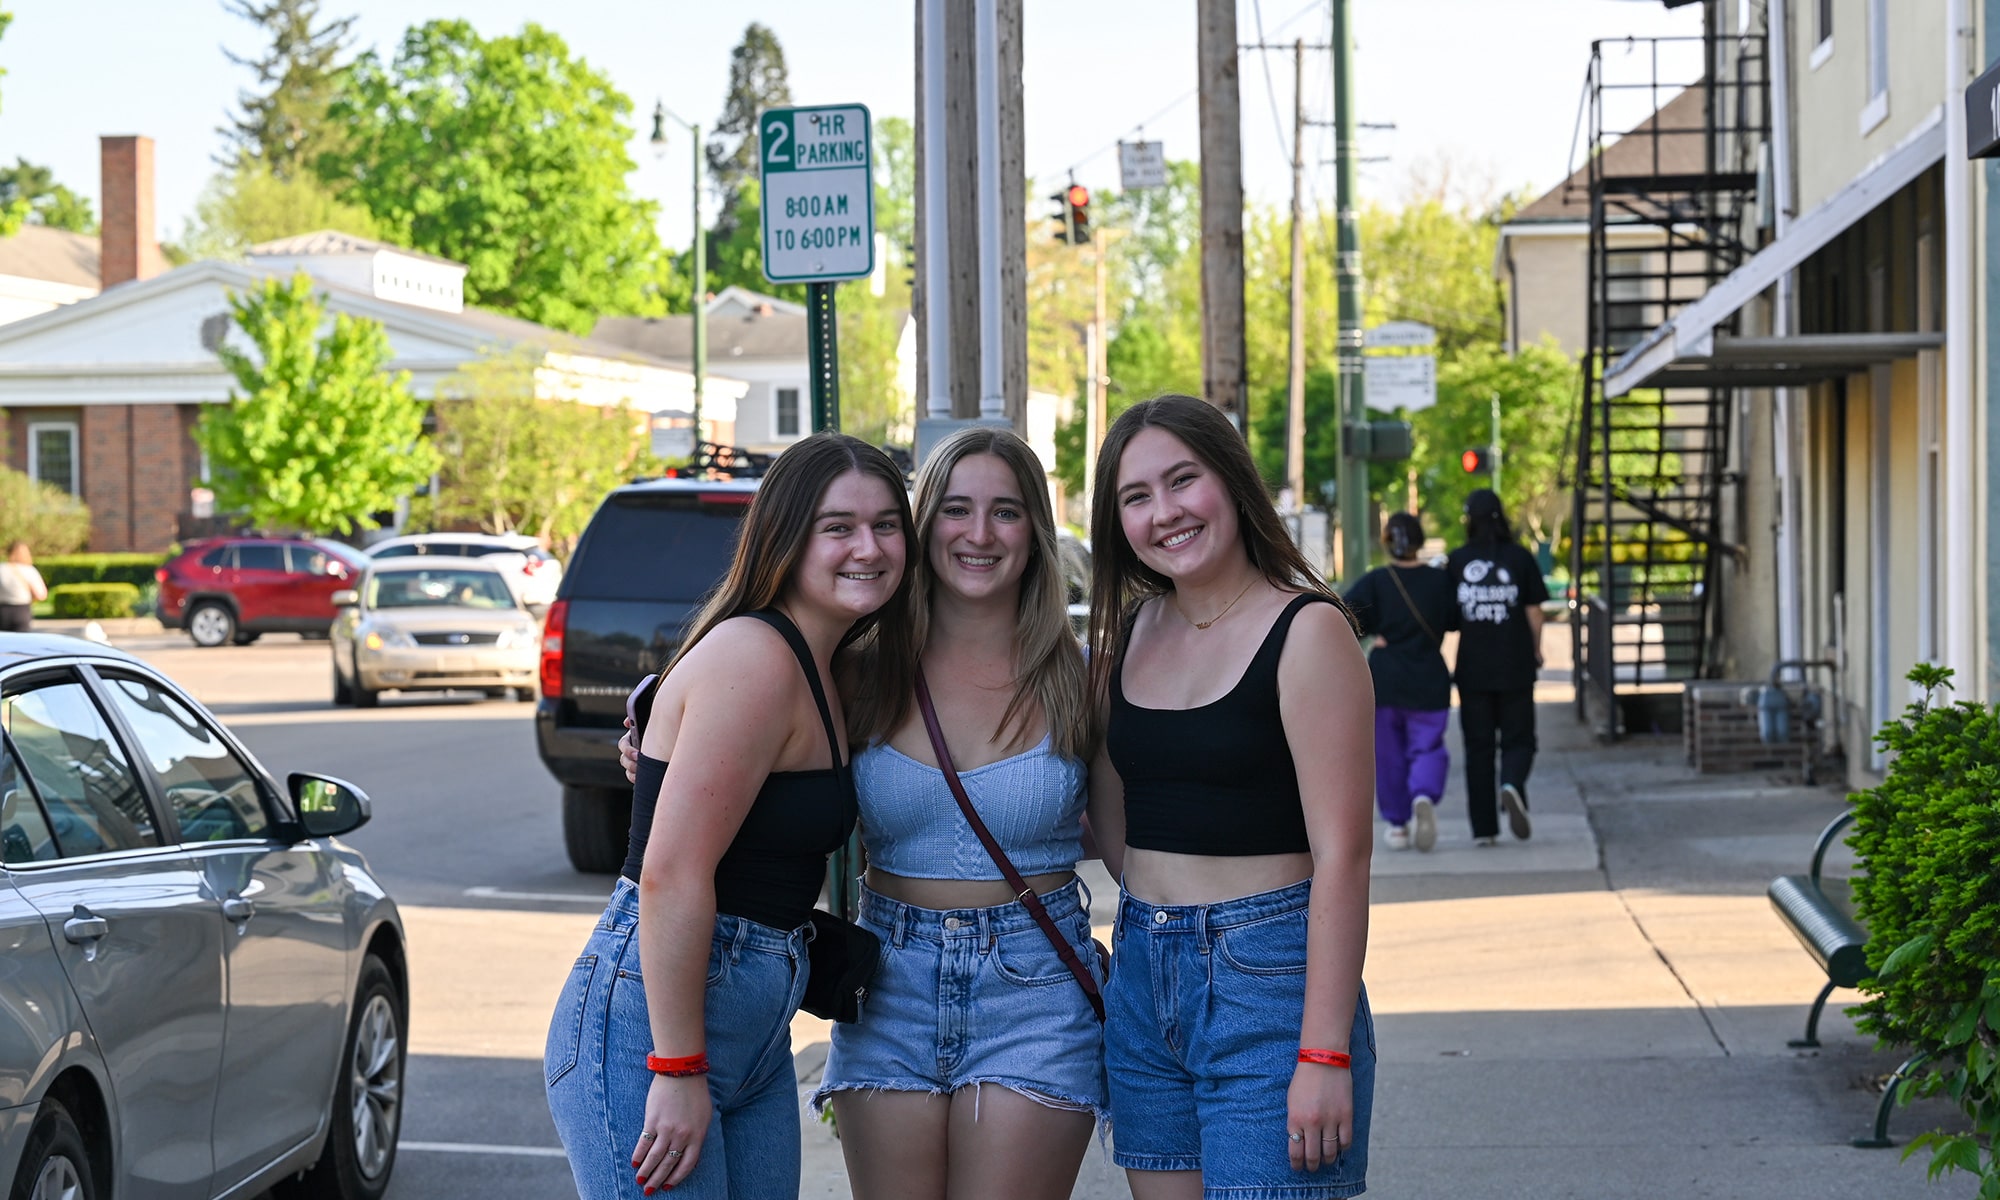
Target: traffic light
1477,461
1077,199
1060,216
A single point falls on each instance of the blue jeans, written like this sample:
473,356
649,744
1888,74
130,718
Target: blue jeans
1201,1038
600,1036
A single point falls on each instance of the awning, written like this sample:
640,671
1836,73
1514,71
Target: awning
1678,352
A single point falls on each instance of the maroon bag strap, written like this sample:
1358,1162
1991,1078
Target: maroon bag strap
1022,891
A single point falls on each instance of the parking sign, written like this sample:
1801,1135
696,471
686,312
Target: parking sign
818,193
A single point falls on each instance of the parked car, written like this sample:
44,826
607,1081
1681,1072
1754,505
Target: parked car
533,572
649,555
206,990
224,590
431,624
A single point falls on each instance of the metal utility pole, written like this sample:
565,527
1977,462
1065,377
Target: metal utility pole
699,295
1354,406
1225,380
1295,397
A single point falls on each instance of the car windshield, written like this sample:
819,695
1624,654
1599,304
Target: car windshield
444,587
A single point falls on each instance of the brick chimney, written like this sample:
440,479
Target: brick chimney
128,249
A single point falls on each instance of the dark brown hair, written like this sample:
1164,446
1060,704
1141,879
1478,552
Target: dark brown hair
1119,581
772,540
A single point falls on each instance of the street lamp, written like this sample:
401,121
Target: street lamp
700,301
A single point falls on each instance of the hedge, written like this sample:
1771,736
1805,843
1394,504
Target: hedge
98,600
1928,838
135,569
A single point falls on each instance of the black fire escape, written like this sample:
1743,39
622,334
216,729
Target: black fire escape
1672,181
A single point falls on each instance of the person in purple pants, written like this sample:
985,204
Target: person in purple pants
1405,607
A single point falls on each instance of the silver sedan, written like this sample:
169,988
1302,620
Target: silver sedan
432,624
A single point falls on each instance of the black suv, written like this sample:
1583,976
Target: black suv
652,552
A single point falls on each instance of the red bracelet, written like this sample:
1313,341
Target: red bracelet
1330,1058
693,1064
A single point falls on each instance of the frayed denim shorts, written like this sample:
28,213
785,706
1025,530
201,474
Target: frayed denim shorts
970,996
1201,1039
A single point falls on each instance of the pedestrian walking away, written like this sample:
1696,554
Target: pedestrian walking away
1231,797
1498,590
669,1058
1403,609
21,588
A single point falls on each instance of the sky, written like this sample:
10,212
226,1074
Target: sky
1482,93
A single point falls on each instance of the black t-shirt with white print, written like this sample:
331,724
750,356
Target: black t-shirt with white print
1493,584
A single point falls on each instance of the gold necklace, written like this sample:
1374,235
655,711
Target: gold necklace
1218,616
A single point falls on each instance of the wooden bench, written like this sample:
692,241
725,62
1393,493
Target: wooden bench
1838,943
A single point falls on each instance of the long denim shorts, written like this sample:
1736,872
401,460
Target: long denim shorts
1202,1037
600,1036
975,995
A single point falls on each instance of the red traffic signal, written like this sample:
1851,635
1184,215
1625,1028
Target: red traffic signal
1477,461
1077,199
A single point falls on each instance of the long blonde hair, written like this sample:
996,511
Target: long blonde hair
1049,667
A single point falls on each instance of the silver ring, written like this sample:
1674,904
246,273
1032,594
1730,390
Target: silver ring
1298,1137
673,1153
648,1135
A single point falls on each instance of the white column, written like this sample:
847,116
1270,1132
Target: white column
1784,475
1962,556
935,253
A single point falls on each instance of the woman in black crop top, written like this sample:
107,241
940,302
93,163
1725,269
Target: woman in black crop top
672,1034
1233,796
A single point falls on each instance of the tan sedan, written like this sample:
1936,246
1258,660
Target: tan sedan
432,624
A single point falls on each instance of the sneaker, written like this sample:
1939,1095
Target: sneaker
1423,823
1483,842
1515,805
1398,837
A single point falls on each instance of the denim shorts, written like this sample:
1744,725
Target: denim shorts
600,1036
975,995
1202,1037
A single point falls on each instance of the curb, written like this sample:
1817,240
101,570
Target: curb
113,627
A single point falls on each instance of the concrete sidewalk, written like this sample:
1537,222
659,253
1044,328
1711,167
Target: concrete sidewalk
1599,1012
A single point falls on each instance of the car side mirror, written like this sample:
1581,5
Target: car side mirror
346,598
328,807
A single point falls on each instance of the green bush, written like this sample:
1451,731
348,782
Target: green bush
49,519
135,569
1929,838
95,600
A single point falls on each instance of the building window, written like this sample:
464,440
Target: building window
1877,108
52,456
788,412
1823,21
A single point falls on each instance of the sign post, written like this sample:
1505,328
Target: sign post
817,166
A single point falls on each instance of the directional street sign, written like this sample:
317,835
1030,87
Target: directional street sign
1141,165
1399,334
818,193
1407,381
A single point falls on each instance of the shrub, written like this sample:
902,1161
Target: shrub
94,600
49,519
1929,836
135,569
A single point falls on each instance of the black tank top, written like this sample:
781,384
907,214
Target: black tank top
772,873
1217,779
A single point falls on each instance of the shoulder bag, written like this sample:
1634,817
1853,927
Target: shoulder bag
1022,891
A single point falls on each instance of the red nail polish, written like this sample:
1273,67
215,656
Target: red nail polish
649,1191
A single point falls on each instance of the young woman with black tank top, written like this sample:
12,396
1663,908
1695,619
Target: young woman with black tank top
669,1057
1233,798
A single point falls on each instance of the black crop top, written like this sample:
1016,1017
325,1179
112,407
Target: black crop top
773,870
1217,779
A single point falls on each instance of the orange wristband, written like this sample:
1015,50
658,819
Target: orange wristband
1329,1058
693,1064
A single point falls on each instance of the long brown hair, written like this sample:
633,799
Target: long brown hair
773,538
1119,581
1049,670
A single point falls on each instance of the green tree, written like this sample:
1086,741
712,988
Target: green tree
896,186
284,126
509,155
49,519
757,81
515,462
1429,262
320,436
248,205
15,211
1537,390
48,202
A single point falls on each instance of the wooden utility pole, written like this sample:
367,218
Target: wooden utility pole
1295,397
1225,376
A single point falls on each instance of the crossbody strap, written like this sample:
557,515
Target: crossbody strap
1426,625
1022,891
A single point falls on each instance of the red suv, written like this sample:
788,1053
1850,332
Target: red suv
225,590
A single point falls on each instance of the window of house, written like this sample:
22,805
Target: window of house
1823,21
52,456
788,412
1877,108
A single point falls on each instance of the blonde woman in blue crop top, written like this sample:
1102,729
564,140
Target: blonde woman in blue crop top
976,1069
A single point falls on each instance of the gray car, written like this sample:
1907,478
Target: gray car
202,990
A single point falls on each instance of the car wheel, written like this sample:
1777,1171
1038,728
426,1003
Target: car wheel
597,824
342,693
244,639
363,697
211,624
499,693
55,1164
367,1116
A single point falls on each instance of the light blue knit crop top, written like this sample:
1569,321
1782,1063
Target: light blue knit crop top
1033,803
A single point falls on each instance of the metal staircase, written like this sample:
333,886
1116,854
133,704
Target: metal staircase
1671,176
